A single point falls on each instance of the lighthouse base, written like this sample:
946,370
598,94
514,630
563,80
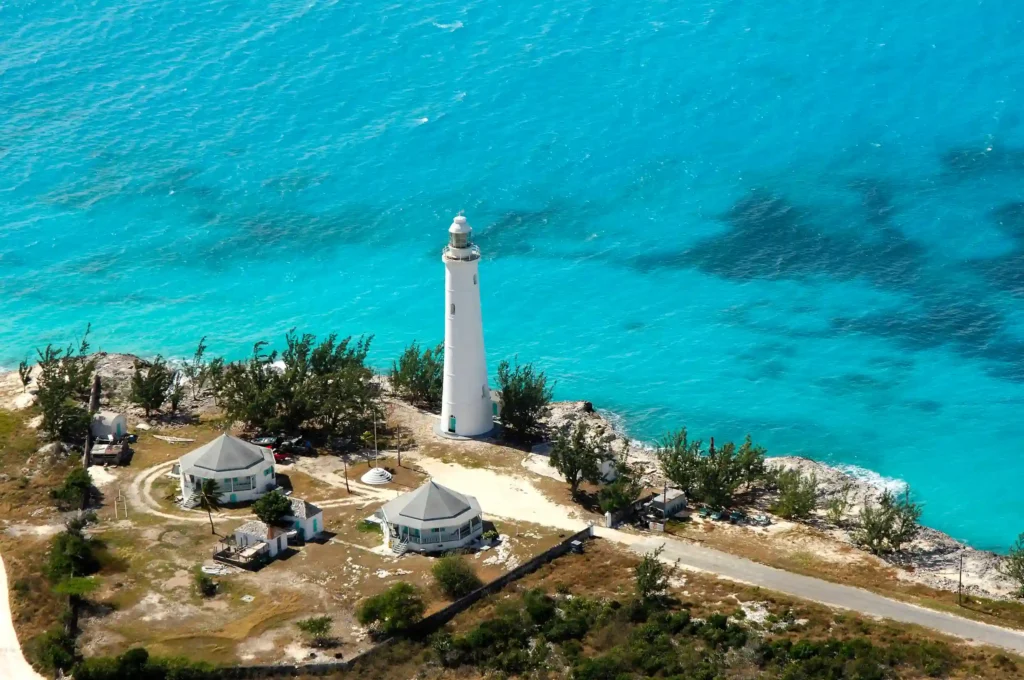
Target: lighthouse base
445,434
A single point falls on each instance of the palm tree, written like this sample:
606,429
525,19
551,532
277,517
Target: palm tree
209,499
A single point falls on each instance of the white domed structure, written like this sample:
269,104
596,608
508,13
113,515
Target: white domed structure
432,518
376,476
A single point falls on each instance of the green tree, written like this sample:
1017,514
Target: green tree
205,585
151,384
71,555
318,629
394,611
890,525
710,476
1012,565
271,507
56,650
209,499
75,491
323,386
623,492
525,397
652,577
25,373
798,495
196,370
418,375
63,385
576,457
455,576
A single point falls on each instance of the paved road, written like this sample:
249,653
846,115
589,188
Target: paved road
12,664
832,594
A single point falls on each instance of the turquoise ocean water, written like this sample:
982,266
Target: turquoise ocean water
802,220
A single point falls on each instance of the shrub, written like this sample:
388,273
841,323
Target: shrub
490,535
393,611
318,629
55,650
205,585
623,492
455,576
137,664
1012,565
888,526
797,495
525,397
271,507
652,577
419,375
75,491
711,476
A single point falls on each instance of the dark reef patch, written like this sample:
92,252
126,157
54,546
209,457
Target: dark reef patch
632,326
966,162
853,383
1010,218
770,238
925,405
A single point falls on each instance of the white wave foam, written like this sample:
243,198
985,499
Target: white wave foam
896,486
451,28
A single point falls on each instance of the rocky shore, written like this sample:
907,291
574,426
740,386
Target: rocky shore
933,559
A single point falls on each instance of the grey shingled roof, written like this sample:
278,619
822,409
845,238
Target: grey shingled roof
224,454
431,506
260,530
302,509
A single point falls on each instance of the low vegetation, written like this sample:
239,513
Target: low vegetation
205,585
394,611
455,576
318,630
418,375
623,492
137,664
525,398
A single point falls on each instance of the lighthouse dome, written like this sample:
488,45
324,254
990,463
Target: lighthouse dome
459,232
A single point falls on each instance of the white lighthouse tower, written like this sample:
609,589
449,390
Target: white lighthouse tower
466,409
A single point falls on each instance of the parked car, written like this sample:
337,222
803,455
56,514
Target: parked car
282,457
295,445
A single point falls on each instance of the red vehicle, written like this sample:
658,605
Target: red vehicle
282,457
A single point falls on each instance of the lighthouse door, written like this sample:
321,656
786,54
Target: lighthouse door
451,423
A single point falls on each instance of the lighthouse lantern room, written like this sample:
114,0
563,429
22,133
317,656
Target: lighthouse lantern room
466,408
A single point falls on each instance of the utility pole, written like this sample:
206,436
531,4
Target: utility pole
960,589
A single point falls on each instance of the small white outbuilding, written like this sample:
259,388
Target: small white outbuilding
107,424
305,518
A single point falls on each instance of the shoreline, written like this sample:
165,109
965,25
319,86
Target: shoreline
932,559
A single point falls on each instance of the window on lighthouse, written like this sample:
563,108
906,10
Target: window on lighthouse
474,279
453,309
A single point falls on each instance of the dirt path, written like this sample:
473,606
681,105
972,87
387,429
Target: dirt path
140,496
12,663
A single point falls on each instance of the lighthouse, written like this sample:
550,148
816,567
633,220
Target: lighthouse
466,409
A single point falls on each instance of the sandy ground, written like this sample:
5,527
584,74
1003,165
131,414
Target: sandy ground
504,495
12,663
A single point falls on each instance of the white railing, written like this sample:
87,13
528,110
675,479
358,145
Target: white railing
471,252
